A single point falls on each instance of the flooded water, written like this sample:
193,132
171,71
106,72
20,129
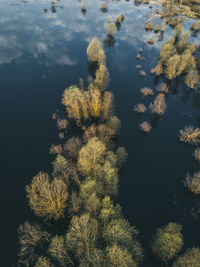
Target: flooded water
41,54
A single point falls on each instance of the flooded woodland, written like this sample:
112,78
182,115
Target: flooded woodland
100,133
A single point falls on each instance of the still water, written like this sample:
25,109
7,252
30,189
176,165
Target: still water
41,54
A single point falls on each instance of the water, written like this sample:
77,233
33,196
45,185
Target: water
41,54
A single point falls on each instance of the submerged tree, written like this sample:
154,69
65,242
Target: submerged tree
90,155
159,106
95,51
58,250
119,231
82,235
76,105
102,132
102,77
47,198
197,154
193,183
43,262
110,27
146,91
167,242
191,258
31,239
140,108
117,256
192,78
190,135
145,126
72,147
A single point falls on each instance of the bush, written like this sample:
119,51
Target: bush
72,147
196,26
82,235
58,250
102,132
61,168
140,108
47,198
76,104
193,183
121,156
107,105
43,262
119,231
93,50
96,258
167,242
146,91
159,105
197,154
192,78
190,135
31,238
120,17
117,256
114,123
172,66
62,124
109,211
90,156
191,258
142,73
156,28
145,126
151,41
163,88
110,28
56,149
149,26
102,77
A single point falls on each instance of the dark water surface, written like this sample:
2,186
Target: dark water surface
41,54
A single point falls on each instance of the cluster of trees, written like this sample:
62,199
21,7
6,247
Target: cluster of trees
177,57
82,186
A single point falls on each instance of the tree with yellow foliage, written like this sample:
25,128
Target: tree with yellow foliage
47,198
90,155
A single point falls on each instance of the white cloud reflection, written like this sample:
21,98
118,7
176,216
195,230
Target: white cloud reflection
50,37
